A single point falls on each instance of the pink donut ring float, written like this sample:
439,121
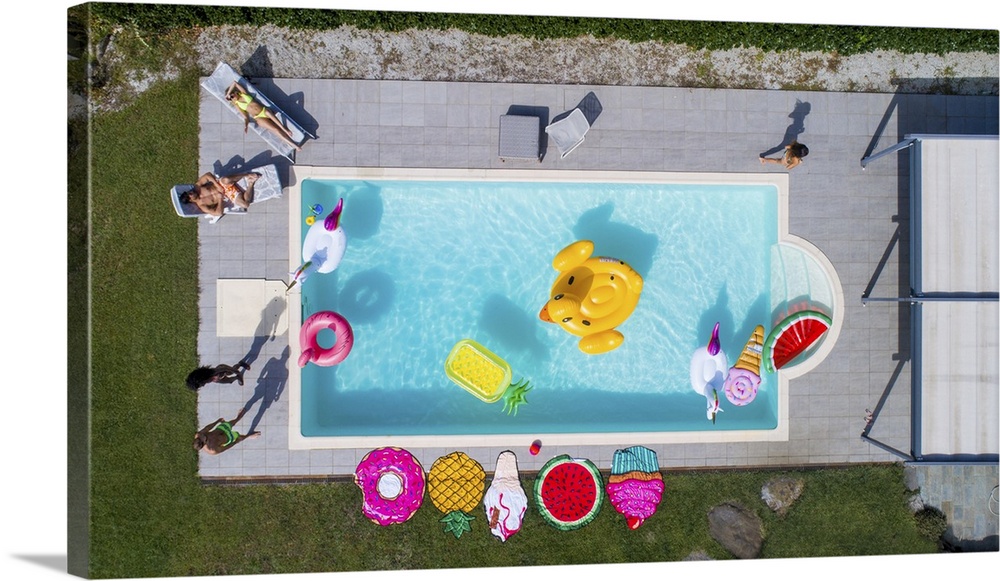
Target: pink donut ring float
741,386
392,482
316,353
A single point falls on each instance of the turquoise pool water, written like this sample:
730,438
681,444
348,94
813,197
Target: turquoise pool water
431,263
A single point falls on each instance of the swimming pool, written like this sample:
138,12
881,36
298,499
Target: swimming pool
435,257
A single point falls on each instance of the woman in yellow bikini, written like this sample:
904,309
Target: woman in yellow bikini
212,194
250,108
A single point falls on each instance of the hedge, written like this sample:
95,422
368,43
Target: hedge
844,40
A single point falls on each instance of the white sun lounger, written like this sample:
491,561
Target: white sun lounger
223,77
267,186
568,132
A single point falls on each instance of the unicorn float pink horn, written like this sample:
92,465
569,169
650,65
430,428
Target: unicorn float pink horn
709,369
332,221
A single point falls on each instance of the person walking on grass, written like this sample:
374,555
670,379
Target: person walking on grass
794,152
219,436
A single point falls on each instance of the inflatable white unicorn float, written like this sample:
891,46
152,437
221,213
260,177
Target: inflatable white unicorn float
323,247
709,369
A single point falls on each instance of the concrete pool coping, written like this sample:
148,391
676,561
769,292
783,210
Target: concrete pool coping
297,174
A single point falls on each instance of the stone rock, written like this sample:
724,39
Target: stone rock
699,555
737,529
779,493
911,478
916,503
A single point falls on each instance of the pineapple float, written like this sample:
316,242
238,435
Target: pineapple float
455,484
485,375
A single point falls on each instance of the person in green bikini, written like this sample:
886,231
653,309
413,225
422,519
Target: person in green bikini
219,436
251,108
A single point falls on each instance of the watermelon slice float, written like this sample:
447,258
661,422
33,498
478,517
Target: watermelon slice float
569,492
792,336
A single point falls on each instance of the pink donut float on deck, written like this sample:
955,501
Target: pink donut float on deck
313,351
392,482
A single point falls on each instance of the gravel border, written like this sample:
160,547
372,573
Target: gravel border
351,53
454,55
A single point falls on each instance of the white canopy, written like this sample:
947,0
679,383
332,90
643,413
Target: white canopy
955,208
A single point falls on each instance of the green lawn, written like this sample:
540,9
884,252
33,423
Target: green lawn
151,516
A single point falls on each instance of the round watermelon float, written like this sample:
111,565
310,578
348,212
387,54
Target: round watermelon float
793,336
569,492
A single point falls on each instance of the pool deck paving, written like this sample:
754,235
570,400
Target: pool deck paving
851,215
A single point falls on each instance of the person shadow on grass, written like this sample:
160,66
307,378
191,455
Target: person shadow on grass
270,385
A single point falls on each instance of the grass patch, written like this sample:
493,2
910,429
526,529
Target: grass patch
144,306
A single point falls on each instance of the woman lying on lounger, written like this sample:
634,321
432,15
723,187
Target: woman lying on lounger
251,108
211,194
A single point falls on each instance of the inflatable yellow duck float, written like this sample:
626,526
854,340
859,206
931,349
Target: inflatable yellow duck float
591,296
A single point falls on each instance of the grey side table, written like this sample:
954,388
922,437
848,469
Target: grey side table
519,137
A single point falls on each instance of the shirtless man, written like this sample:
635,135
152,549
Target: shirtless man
219,436
211,194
